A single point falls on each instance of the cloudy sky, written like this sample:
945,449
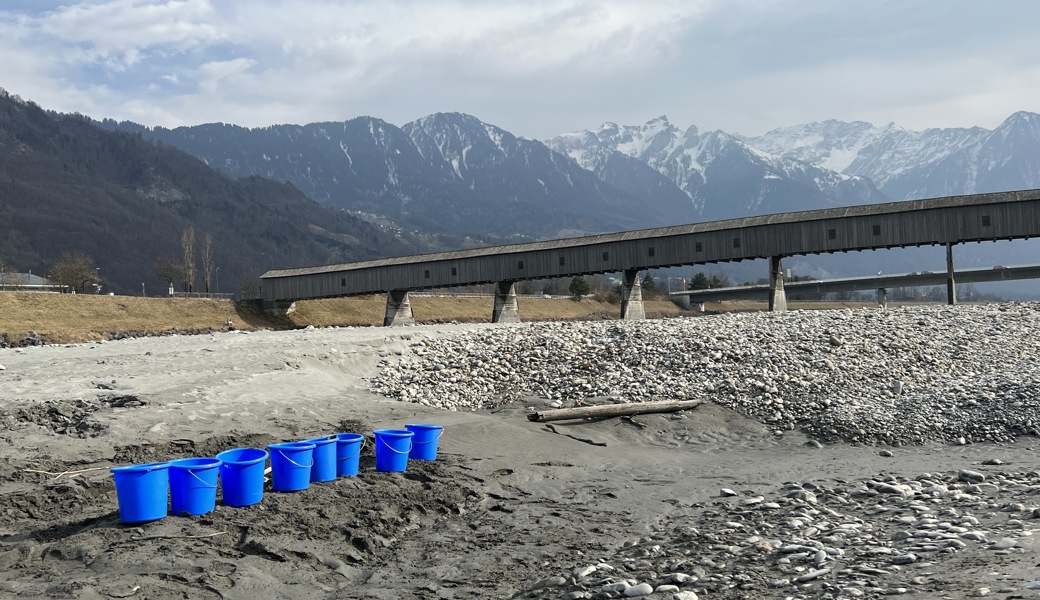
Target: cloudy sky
535,67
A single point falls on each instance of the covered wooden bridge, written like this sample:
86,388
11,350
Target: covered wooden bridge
939,221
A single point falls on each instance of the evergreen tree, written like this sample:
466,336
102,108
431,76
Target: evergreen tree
699,281
579,287
650,286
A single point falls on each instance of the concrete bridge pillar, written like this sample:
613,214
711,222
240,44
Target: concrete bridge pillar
506,308
951,285
777,296
632,297
398,309
280,308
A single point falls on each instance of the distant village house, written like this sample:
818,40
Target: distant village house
27,282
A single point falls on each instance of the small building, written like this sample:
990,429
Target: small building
27,282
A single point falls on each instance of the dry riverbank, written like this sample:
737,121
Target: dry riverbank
71,318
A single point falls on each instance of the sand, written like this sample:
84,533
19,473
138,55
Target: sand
507,504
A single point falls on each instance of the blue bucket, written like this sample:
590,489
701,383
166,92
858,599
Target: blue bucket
392,448
242,475
141,491
348,453
193,485
324,468
424,444
291,464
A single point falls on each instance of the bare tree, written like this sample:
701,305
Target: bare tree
74,270
248,286
207,260
168,268
188,258
8,277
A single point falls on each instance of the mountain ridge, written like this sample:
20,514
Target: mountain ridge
67,185
909,164
460,175
367,166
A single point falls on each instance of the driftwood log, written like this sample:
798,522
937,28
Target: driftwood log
612,410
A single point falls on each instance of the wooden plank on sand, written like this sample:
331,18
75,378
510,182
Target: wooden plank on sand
612,410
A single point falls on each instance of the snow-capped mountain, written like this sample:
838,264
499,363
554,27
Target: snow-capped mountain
507,171
445,173
907,164
451,173
721,174
818,165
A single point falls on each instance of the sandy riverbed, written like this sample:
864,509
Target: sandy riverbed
510,509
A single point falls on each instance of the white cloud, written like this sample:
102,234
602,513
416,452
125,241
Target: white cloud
535,67
129,26
213,74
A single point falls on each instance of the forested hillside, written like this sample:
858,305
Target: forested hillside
69,186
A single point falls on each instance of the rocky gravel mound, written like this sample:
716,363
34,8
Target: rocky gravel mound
872,539
900,376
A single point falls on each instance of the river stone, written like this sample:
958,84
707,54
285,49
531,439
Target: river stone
640,589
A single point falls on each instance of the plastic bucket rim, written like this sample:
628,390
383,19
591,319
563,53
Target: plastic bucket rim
410,437
360,447
393,432
200,462
292,445
426,428
295,446
320,441
243,462
142,468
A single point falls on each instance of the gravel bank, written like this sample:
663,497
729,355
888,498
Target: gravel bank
910,375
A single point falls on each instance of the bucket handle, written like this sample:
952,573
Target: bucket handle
360,448
205,484
440,432
395,450
296,463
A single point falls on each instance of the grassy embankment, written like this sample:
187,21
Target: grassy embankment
70,318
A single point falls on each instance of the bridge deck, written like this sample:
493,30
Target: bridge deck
951,220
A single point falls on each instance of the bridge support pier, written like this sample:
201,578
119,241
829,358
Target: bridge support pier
951,284
632,297
398,309
506,308
777,296
280,308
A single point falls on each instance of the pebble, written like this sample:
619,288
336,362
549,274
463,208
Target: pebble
779,368
865,537
865,545
619,586
640,589
812,575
